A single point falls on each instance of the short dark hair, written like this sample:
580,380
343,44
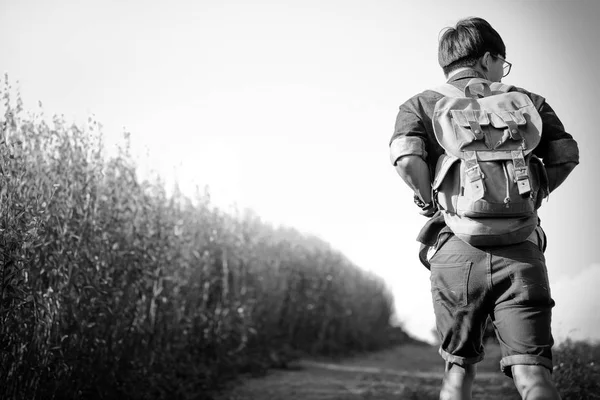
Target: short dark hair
464,44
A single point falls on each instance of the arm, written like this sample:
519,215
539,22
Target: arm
558,173
408,154
415,172
558,149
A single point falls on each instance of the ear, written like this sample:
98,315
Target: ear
486,59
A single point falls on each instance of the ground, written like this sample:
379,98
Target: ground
411,371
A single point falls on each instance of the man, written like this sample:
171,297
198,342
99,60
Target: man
507,282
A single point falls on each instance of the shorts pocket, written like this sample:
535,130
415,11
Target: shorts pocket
530,283
449,283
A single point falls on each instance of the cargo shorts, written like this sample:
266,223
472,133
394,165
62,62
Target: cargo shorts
509,284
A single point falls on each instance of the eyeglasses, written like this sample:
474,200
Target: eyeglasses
506,66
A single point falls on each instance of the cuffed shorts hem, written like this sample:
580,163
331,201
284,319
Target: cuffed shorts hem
462,361
523,359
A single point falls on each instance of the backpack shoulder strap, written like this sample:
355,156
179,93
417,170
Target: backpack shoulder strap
448,90
500,87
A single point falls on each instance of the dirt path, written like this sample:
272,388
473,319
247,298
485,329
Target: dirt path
406,372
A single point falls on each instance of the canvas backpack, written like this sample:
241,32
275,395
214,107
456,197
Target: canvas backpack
488,184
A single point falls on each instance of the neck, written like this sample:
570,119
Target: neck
474,68
456,71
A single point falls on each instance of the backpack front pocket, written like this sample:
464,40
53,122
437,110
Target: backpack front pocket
470,127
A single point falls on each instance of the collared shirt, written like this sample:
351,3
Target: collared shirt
414,135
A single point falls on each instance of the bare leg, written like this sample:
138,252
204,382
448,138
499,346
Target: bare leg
458,382
534,382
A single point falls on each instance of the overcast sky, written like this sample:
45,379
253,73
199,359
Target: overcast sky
287,107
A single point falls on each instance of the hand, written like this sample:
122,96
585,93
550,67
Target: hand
427,209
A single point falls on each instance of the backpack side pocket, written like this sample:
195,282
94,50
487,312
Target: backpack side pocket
446,186
541,188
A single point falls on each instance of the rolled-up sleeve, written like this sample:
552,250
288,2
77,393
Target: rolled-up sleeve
409,136
407,146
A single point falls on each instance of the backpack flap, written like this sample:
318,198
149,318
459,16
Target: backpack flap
515,132
460,125
471,119
506,121
470,126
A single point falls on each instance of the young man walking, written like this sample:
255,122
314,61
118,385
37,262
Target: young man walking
482,152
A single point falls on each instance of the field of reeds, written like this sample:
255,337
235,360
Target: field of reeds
577,370
114,286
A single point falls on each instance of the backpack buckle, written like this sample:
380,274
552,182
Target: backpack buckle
474,173
522,181
475,177
521,176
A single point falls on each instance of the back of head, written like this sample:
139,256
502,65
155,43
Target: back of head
464,44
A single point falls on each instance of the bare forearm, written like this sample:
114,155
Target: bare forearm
415,172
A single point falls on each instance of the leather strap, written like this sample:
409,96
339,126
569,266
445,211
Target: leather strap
521,176
474,124
474,175
513,128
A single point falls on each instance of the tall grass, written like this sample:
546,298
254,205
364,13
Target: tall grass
111,287
577,370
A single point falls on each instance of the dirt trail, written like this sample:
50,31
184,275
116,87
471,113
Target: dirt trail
407,372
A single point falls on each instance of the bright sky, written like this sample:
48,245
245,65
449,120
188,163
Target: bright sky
287,107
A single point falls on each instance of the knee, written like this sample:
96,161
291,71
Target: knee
534,382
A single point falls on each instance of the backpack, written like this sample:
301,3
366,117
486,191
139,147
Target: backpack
488,184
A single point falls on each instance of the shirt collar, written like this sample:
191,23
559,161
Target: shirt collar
468,73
